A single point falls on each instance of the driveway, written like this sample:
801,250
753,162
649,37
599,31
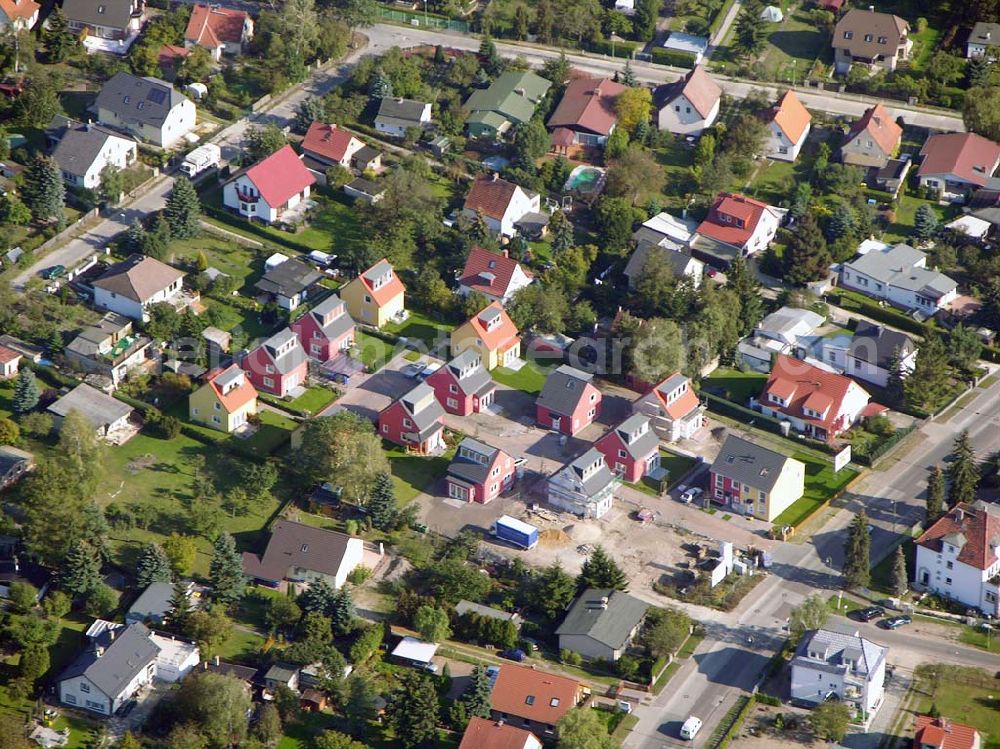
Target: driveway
375,391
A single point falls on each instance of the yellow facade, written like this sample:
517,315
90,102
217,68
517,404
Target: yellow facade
787,489
466,336
205,408
363,307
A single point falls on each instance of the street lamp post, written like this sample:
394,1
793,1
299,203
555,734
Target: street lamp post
425,13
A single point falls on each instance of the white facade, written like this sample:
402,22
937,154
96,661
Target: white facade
353,556
176,658
518,280
681,117
851,406
943,574
109,300
585,487
836,354
521,202
119,152
854,671
81,692
779,146
906,283
243,196
397,128
180,121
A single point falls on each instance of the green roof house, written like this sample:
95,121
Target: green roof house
509,101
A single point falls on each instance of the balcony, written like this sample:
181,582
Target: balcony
245,197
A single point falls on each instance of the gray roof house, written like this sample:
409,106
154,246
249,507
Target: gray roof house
107,19
601,623
563,389
984,41
469,374
682,264
487,612
869,354
396,116
153,604
789,330
302,553
109,416
584,487
289,283
84,151
110,671
838,663
14,463
473,460
898,274
146,108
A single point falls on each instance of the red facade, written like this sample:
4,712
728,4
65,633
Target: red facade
316,343
487,490
449,393
587,408
265,376
394,421
619,458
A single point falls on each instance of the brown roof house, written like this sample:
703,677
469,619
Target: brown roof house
131,286
482,733
300,553
957,164
879,41
219,30
688,105
872,140
534,699
503,204
586,113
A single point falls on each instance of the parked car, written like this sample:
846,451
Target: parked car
691,495
53,272
895,622
871,612
412,371
513,654
430,667
690,728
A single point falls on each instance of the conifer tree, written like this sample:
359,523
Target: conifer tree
413,710
226,571
806,257
183,210
963,474
319,598
342,611
43,191
476,696
857,553
740,280
25,392
152,566
382,503
929,383
601,571
180,607
935,495
81,570
60,42
899,578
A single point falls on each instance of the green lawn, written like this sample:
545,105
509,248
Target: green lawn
821,484
901,229
963,694
82,732
242,647
243,263
677,158
676,465
735,385
793,47
275,430
300,732
6,400
528,379
373,352
774,181
882,572
423,328
414,474
314,400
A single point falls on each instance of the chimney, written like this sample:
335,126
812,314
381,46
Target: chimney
506,253
500,723
495,176
604,603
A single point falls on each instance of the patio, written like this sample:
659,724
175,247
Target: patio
117,47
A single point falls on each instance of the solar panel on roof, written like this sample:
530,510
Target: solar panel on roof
156,95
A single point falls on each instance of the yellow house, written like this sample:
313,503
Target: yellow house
225,402
753,480
375,297
492,334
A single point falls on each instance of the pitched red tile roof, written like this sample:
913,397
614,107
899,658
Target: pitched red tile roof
8,355
212,26
967,155
680,407
491,734
22,9
170,53
743,213
481,262
803,385
491,195
791,116
236,398
516,684
326,140
978,524
387,291
502,336
698,87
588,104
280,176
878,123
944,734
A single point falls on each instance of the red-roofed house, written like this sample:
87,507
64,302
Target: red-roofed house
497,277
688,105
956,164
941,733
586,113
330,145
788,127
219,30
326,330
816,402
533,699
482,733
872,140
10,362
501,203
377,296
18,14
270,187
742,223
170,56
225,402
673,407
490,333
958,557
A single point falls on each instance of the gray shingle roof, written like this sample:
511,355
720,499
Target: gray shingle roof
99,409
423,407
678,261
154,601
126,656
836,648
750,464
644,443
599,479
468,468
288,279
563,389
788,323
338,325
113,14
298,545
607,616
468,370
134,99
403,112
878,345
896,267
79,147
291,357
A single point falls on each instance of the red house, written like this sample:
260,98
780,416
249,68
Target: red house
631,449
463,386
326,330
278,365
415,421
569,401
479,472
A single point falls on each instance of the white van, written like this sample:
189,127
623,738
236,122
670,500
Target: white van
690,728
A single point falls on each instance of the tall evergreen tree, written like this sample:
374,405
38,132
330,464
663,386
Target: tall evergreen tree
382,503
413,710
81,571
562,232
899,577
183,210
25,392
318,597
963,473
135,238
152,566
380,86
43,191
476,696
925,222
342,611
601,571
310,110
628,75
935,495
740,280
929,384
857,553
841,221
96,530
180,607
226,571
896,379
751,30
806,257
60,42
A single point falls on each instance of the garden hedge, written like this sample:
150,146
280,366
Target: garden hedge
672,57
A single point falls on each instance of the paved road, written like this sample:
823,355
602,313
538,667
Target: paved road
721,32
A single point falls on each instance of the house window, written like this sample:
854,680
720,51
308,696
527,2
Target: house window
868,37
883,40
70,699
216,420
848,34
452,403
991,597
194,411
622,454
218,406
95,705
590,413
269,369
677,107
688,110
268,382
950,565
453,388
407,423
368,299
385,429
85,687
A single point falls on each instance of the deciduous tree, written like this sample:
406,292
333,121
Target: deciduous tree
667,631
181,552
583,729
633,106
811,614
432,624
263,141
982,111
830,720
342,449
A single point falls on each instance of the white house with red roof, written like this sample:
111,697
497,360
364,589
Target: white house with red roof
501,203
741,223
941,733
673,408
219,30
482,733
10,363
787,128
330,144
269,188
957,164
818,403
958,557
689,105
497,277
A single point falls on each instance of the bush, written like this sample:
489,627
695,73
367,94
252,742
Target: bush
570,658
672,57
618,49
769,699
359,575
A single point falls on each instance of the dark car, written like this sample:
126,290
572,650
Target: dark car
514,654
412,371
872,612
53,272
895,622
